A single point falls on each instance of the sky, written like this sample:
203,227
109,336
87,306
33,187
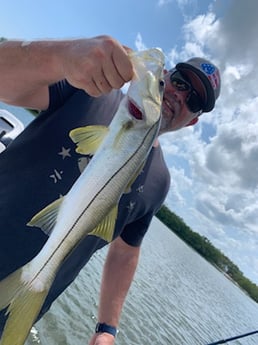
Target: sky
213,165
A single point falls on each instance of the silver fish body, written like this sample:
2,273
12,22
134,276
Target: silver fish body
90,207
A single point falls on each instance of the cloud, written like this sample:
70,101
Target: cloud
222,150
237,32
213,166
197,33
139,42
233,154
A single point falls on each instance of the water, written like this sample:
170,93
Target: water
176,298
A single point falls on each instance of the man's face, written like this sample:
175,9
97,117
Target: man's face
175,112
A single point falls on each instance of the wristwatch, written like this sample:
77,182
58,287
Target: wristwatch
104,328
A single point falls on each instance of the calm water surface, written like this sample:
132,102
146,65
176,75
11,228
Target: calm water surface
176,298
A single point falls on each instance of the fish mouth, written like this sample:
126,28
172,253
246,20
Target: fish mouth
134,110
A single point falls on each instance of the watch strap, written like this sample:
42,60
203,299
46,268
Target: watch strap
104,328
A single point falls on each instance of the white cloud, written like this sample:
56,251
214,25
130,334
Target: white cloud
139,42
179,183
222,180
238,32
214,166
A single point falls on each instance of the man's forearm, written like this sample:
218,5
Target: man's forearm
118,274
26,66
95,65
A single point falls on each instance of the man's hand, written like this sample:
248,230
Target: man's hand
96,65
102,339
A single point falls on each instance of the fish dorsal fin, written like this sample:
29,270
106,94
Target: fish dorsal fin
133,178
88,138
46,218
106,227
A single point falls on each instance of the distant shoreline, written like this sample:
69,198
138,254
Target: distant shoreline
207,250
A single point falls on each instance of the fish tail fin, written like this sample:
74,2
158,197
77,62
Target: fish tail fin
24,302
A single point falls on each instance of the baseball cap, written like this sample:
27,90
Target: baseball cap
208,74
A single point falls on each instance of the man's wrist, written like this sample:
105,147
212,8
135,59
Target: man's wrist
105,328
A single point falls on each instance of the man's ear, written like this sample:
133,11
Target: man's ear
192,122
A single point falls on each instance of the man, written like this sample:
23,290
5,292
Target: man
75,83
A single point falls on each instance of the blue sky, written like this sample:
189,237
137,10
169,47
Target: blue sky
213,166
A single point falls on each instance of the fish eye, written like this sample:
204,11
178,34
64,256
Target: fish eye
161,84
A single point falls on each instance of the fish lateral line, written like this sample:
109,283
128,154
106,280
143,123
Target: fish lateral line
94,198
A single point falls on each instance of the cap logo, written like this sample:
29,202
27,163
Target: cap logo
212,74
208,68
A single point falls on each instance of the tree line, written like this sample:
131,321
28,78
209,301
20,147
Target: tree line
206,249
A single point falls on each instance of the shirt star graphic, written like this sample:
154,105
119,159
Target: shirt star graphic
130,207
65,152
140,189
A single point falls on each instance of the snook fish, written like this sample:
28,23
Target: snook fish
90,207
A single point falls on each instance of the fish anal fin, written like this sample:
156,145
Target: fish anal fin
46,218
106,227
88,138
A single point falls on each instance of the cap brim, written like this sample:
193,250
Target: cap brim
210,101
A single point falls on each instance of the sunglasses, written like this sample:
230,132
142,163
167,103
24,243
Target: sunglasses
193,101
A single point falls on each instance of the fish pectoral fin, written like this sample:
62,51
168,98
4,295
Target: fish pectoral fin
24,304
88,138
106,227
46,218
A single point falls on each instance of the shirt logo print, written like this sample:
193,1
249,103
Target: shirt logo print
65,152
131,206
140,189
57,175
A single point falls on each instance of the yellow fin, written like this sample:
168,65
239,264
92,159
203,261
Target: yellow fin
46,218
88,138
24,306
105,229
